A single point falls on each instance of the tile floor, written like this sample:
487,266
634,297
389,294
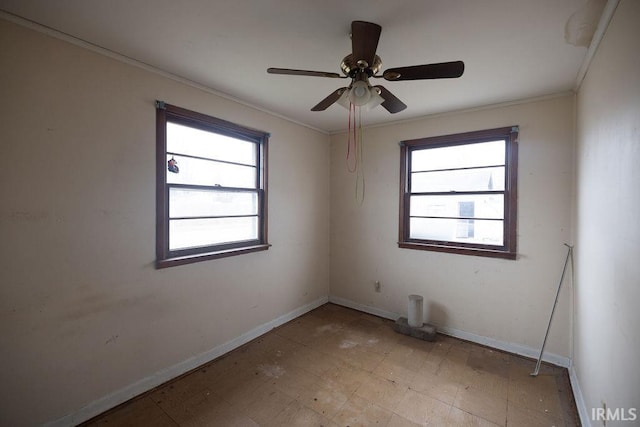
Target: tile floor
338,367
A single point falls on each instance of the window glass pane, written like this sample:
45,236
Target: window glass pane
478,205
193,203
195,142
191,233
484,232
208,172
458,156
459,180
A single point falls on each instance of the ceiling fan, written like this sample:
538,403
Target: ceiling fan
363,63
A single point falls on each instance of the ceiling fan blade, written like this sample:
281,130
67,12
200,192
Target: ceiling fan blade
443,70
391,103
364,41
289,71
329,100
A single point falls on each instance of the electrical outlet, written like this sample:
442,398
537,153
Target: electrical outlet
377,285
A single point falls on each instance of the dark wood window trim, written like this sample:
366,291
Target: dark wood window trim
169,258
509,248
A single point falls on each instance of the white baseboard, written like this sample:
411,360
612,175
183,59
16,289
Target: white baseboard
364,308
583,413
120,396
510,347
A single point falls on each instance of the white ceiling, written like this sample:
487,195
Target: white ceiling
512,49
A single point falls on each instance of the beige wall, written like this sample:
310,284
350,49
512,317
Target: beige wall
83,312
607,318
508,301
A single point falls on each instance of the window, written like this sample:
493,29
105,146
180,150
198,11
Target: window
211,187
458,193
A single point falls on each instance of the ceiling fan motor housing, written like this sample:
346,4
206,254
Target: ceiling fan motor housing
351,68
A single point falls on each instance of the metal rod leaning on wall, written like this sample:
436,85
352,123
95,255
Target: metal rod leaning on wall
546,335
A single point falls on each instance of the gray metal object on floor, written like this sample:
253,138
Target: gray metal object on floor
425,332
546,335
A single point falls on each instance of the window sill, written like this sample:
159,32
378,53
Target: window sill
492,253
189,259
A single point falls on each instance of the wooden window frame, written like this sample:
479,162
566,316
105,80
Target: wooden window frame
509,248
164,256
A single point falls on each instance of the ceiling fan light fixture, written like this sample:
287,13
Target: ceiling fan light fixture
344,99
375,100
360,93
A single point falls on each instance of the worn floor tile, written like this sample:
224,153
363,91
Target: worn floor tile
358,357
361,412
381,391
239,391
459,418
207,409
452,370
326,397
458,355
493,384
421,409
303,330
525,417
539,393
313,361
412,357
264,403
400,421
336,366
296,414
482,404
336,313
142,411
489,362
393,371
175,393
461,344
440,388
295,381
273,347
347,375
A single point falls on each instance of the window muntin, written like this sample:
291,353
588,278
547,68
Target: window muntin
212,202
458,193
489,178
209,172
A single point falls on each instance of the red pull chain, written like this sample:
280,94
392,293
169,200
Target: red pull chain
352,141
